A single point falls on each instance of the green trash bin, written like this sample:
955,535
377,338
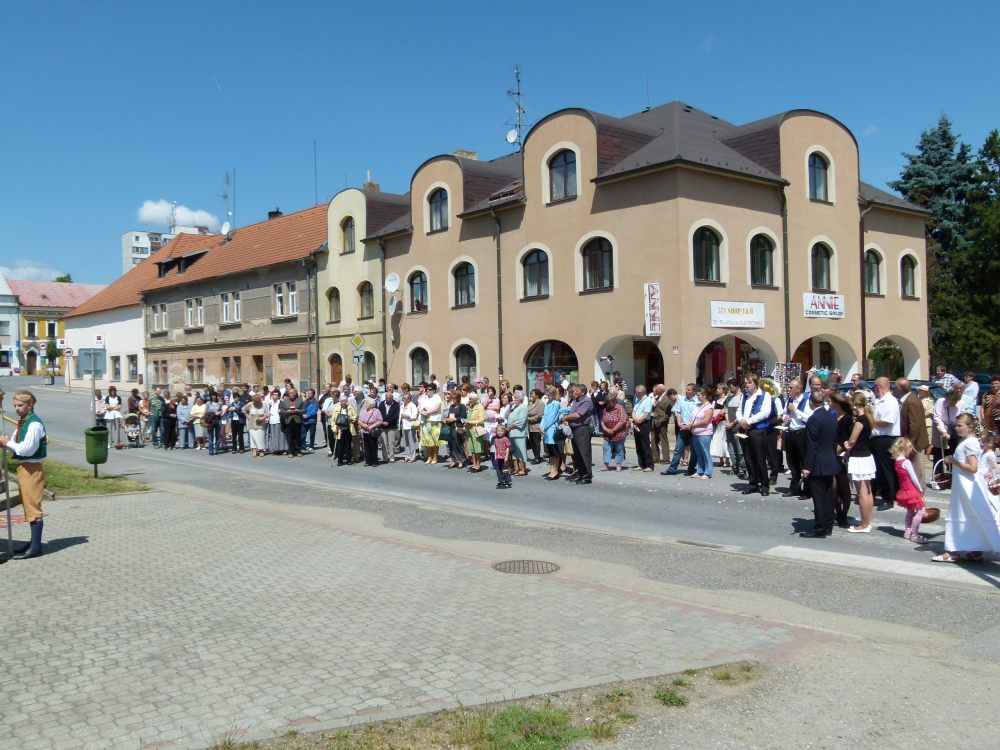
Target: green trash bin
95,440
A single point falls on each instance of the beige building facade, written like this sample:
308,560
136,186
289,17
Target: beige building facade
669,245
350,281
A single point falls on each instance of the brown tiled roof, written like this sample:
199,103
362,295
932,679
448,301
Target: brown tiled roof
872,194
124,291
286,238
52,293
382,209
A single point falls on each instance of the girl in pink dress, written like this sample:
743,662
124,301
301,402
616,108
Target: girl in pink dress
908,495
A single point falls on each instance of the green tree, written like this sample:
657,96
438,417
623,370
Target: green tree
65,278
980,263
940,177
52,355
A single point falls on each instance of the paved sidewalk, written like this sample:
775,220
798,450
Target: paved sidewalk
166,621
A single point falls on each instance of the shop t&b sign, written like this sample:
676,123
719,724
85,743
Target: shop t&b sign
822,305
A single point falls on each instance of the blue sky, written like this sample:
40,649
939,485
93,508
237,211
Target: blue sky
107,105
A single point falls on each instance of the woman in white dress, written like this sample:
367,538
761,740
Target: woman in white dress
973,529
717,447
276,442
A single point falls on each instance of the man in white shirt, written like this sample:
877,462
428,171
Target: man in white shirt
884,433
754,421
29,445
796,415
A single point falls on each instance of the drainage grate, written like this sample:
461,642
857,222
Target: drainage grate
525,567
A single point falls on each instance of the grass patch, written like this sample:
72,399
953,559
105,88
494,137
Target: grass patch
520,728
679,682
722,675
690,672
668,697
63,479
617,696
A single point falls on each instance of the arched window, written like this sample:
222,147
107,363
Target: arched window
367,298
368,366
438,202
821,268
347,234
562,176
598,264
418,291
706,255
420,365
336,369
465,362
465,284
333,298
536,273
908,277
818,168
873,272
549,363
761,261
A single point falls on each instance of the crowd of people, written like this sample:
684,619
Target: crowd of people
889,441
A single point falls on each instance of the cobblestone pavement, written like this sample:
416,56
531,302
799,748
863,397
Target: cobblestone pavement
167,621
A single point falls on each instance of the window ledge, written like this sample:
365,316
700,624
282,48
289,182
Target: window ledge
821,201
231,324
597,290
366,317
418,312
437,231
908,298
347,252
193,329
706,282
463,307
284,318
823,291
333,322
875,295
159,333
768,287
570,199
535,298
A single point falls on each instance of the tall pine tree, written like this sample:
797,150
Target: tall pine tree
939,177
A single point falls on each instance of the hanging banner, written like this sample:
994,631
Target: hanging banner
822,305
651,300
737,314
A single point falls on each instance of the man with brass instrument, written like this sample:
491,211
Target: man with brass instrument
755,422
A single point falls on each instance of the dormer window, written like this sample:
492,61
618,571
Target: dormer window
347,234
818,169
438,204
562,176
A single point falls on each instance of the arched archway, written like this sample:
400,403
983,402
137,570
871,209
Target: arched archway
31,362
894,357
336,368
733,356
637,358
827,352
549,363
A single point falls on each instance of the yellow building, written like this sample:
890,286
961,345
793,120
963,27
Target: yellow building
42,305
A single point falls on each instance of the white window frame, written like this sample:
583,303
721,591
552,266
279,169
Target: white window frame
224,306
408,297
834,270
776,258
293,298
917,282
163,316
199,310
279,301
723,249
189,308
427,207
237,308
547,157
451,281
31,329
156,317
831,175
519,269
881,270
578,260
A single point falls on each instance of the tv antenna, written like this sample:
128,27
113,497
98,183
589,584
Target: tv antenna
225,197
514,136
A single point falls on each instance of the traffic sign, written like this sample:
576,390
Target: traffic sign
358,357
99,342
68,352
358,340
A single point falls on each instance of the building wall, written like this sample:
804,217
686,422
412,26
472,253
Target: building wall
43,319
123,335
9,355
649,221
270,347
345,272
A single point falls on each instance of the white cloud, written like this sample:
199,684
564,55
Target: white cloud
157,213
870,130
30,270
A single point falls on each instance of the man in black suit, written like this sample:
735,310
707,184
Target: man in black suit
819,465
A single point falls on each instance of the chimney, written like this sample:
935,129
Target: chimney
464,153
275,214
372,187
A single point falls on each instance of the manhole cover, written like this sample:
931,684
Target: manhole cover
526,567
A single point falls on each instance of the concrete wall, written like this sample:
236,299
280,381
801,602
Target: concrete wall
123,333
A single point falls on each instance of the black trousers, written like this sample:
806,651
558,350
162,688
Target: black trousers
772,453
755,448
643,448
370,439
822,491
582,458
238,433
169,432
344,447
885,470
795,450
293,434
535,440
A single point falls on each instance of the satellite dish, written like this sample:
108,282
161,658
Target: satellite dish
392,306
512,136
225,228
392,282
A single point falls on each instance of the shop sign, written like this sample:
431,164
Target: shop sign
737,314
822,305
651,300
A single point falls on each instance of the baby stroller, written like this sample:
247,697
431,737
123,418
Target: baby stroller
133,431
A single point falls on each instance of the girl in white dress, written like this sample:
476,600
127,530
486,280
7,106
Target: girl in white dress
973,529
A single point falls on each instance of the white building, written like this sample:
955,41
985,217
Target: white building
8,329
